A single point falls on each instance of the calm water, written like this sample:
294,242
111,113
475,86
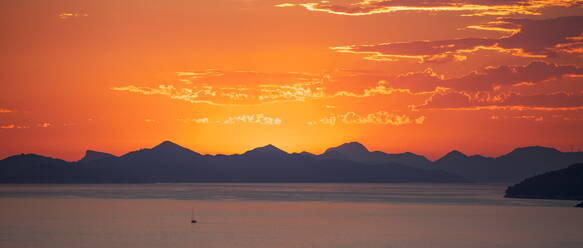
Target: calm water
282,215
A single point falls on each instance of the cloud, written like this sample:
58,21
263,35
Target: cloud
195,95
230,96
204,120
68,15
378,118
282,5
325,121
463,7
453,100
252,88
295,92
209,73
498,26
379,89
239,78
487,79
44,125
555,100
427,80
12,126
3,110
253,119
520,117
217,87
492,77
411,87
536,38
260,119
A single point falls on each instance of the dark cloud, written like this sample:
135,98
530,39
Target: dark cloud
536,38
541,36
505,75
556,100
486,79
461,100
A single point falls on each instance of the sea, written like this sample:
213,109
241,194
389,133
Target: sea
272,215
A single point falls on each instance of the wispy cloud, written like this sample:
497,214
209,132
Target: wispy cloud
253,119
15,126
12,126
463,7
3,110
378,118
203,120
69,15
217,87
488,78
454,100
185,94
499,26
519,117
530,38
44,125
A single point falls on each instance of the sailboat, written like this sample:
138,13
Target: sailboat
192,220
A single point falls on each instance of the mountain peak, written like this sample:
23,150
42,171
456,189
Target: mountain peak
271,147
168,147
266,149
535,149
532,152
352,151
91,155
350,147
166,144
455,154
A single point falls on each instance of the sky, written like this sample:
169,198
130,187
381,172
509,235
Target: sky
226,76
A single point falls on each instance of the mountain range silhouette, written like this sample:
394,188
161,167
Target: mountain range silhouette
349,162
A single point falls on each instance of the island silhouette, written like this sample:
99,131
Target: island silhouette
564,184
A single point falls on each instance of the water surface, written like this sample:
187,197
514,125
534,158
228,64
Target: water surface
282,215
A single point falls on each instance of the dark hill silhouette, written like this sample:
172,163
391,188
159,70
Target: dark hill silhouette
32,168
91,155
165,162
564,184
357,152
512,167
169,162
333,155
475,167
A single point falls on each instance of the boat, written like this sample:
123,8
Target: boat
192,220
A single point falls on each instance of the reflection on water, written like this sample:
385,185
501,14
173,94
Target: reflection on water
282,215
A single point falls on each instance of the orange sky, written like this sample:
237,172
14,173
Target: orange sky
226,76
